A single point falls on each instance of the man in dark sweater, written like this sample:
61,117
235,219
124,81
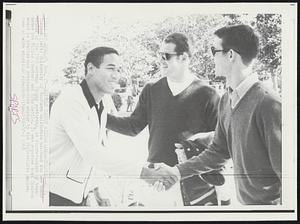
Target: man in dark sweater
249,124
174,108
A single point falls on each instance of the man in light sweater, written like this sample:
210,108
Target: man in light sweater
79,160
249,124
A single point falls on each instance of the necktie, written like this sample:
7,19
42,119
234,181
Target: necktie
99,111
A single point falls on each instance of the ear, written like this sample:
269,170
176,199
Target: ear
231,55
90,68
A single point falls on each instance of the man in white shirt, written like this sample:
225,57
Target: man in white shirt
78,134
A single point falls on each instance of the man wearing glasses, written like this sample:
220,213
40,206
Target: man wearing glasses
175,107
249,124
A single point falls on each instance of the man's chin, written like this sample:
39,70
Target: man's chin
165,73
110,91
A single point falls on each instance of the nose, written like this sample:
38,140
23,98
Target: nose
115,75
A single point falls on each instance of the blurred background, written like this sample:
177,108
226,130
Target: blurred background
138,42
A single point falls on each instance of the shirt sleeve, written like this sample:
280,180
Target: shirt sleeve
271,131
75,123
212,158
136,122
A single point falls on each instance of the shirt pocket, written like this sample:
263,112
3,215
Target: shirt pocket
79,173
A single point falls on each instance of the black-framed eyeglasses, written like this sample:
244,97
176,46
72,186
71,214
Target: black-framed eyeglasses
167,56
214,50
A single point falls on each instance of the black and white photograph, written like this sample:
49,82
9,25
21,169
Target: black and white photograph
150,111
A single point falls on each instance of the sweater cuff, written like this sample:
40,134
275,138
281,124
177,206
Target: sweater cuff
183,172
139,169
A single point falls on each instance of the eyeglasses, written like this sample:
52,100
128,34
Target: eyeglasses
167,56
214,50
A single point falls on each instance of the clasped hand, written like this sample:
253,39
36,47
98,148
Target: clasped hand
160,176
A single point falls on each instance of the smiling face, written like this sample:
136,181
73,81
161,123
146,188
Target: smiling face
171,62
105,78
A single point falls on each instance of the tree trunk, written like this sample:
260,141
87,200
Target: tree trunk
274,82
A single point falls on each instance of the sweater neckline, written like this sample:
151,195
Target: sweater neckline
179,94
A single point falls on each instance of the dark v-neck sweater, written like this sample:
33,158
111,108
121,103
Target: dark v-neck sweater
169,118
251,135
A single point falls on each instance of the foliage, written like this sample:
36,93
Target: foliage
138,44
269,26
52,98
198,28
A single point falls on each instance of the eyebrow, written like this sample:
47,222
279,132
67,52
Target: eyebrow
113,65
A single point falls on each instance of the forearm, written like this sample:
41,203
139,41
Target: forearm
136,122
125,125
114,165
208,160
85,139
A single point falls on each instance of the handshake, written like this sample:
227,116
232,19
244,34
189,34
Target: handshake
163,177
160,176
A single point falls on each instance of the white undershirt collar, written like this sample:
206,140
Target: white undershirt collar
178,87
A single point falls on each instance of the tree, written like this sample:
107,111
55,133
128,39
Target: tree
198,28
74,71
138,44
269,27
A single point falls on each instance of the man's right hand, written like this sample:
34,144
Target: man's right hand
161,174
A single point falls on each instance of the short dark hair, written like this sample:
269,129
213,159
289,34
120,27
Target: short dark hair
96,55
182,43
240,38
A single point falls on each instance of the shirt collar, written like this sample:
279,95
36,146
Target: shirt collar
243,87
87,93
